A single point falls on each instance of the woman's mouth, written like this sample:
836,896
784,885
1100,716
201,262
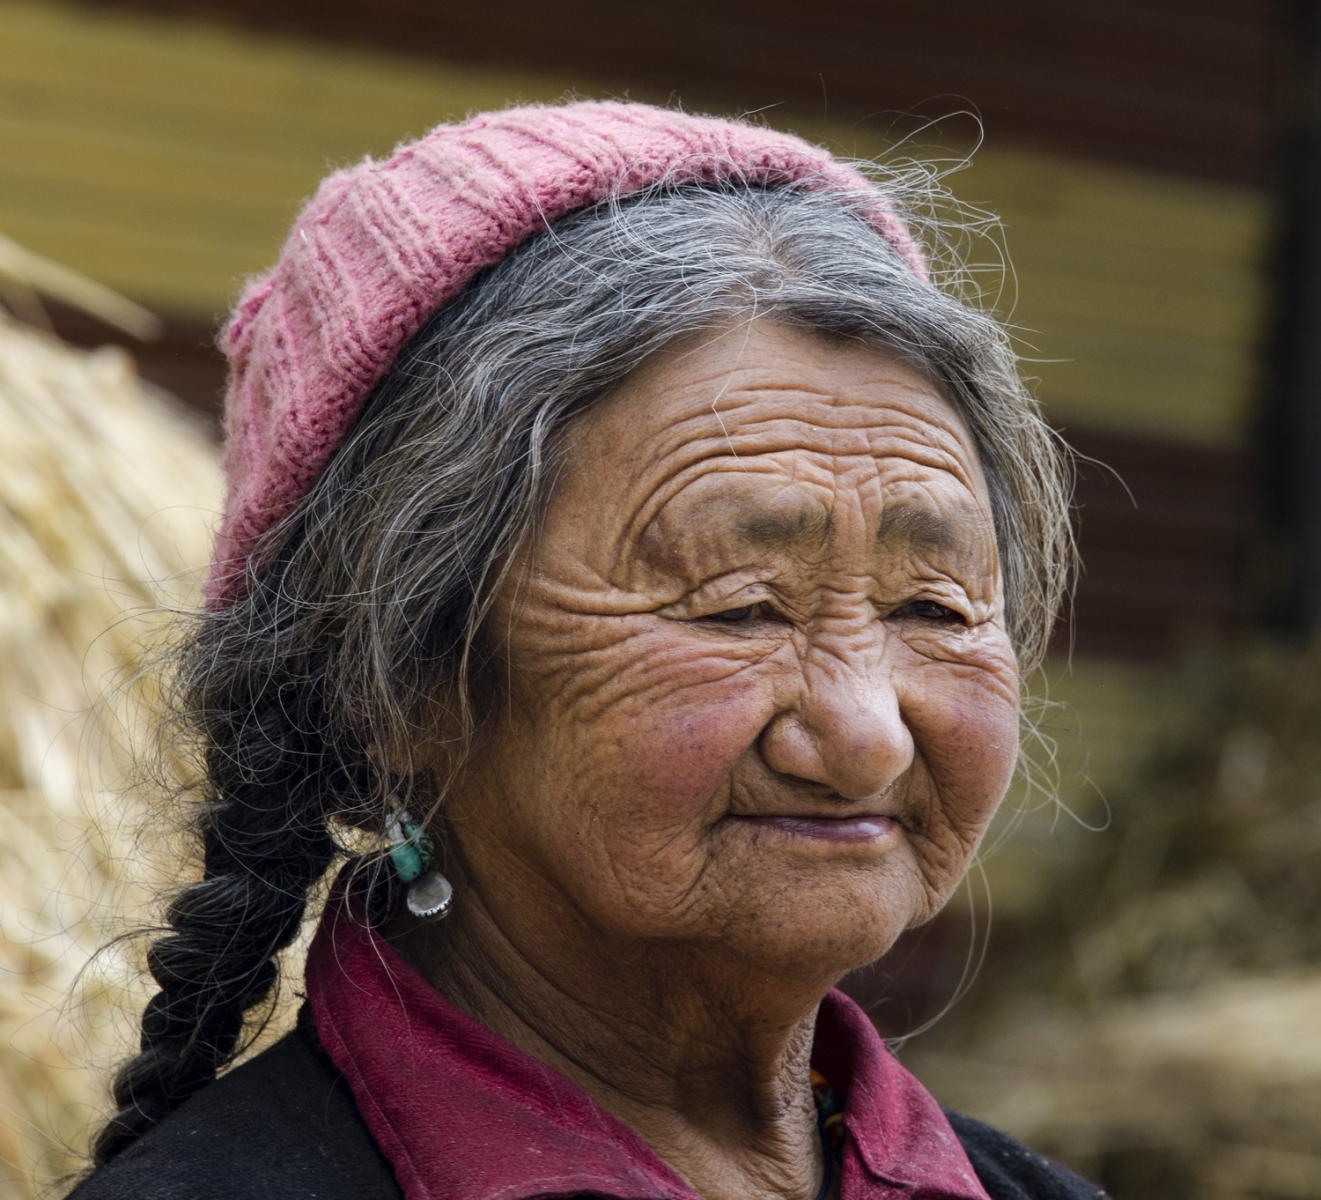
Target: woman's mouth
869,828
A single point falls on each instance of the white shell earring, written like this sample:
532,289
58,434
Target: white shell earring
429,893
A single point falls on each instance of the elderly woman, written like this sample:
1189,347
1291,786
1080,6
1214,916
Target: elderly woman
628,538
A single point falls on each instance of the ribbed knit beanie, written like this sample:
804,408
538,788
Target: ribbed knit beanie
383,245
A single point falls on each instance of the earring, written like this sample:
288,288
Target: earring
429,893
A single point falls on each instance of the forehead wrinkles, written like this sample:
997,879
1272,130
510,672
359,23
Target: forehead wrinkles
692,450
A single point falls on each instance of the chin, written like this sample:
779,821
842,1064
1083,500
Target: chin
819,944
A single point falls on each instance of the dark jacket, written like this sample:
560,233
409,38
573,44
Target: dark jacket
284,1126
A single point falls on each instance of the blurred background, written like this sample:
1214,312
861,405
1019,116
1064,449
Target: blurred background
1133,981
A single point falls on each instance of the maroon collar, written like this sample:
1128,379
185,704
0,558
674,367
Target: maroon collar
460,1112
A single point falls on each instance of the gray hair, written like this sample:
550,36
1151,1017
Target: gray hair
406,537
378,584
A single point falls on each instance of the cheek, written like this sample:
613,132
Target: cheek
984,738
648,724
967,733
679,750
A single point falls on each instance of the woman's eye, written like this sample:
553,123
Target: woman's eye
735,616
930,610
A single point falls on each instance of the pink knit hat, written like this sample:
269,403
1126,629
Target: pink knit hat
382,246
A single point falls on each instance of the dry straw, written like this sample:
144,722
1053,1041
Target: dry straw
107,499
1161,1026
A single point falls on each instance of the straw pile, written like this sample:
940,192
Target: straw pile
1160,1025
103,487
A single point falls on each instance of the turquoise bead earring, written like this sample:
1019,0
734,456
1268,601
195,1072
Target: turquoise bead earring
411,851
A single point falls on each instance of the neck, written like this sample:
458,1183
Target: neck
707,1062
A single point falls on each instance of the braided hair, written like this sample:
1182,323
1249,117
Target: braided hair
369,610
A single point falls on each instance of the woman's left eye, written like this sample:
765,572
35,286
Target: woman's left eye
930,610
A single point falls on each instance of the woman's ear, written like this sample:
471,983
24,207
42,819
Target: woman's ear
414,756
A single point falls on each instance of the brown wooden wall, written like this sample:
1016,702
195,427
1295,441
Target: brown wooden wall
1173,85
163,145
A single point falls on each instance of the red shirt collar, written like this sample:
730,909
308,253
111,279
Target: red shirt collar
460,1112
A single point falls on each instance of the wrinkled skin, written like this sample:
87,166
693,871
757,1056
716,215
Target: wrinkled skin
761,707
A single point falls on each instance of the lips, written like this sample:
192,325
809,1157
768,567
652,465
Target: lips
859,827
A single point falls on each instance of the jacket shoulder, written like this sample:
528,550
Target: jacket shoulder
281,1124
1008,1170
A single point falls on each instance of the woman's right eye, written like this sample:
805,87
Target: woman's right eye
732,616
737,616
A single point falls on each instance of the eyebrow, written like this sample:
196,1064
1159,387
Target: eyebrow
902,523
772,530
917,526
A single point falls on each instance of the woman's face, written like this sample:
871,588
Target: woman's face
761,698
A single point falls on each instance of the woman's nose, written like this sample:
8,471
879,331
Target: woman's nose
845,731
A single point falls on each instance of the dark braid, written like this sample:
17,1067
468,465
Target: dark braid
265,844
